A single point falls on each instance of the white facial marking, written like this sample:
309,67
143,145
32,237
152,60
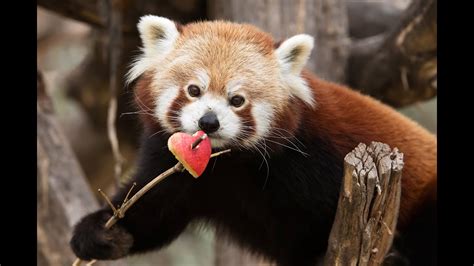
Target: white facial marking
263,114
164,101
233,86
203,78
228,120
299,89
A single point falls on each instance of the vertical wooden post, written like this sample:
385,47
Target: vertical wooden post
367,212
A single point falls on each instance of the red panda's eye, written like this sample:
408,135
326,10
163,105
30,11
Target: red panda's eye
237,101
194,91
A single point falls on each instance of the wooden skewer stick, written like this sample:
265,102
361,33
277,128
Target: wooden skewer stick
120,213
219,153
199,140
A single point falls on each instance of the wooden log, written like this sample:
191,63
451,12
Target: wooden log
367,212
91,11
399,67
63,194
83,10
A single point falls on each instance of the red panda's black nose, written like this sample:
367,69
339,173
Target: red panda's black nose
209,122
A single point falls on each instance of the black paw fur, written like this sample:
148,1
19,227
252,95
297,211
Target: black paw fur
91,240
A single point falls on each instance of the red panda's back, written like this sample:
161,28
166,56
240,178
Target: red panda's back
348,118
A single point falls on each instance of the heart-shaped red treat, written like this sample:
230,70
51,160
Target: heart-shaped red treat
194,160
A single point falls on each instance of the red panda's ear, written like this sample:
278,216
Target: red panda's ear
292,55
158,35
294,52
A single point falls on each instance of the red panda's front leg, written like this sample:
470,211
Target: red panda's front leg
152,222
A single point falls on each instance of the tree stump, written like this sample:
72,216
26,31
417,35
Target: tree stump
367,211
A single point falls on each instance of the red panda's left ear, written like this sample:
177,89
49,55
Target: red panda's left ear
292,55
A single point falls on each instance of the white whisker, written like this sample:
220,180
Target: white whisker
289,147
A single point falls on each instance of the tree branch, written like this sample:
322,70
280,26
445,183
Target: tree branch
114,13
367,211
401,67
63,170
59,207
90,11
83,10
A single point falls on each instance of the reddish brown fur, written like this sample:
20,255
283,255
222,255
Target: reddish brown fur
173,111
290,117
244,33
247,119
144,101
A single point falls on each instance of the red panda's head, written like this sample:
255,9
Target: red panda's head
227,79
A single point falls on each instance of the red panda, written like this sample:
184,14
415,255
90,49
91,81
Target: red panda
276,195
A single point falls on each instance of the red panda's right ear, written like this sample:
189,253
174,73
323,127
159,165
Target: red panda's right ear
292,55
158,36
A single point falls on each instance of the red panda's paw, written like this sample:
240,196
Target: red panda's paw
91,240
